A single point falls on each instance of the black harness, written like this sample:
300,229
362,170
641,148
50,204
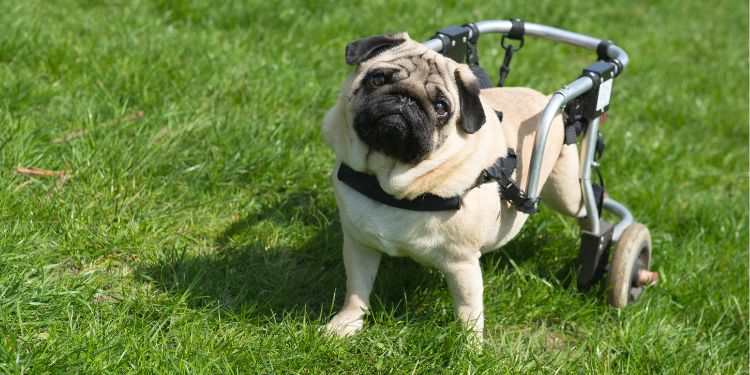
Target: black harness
500,172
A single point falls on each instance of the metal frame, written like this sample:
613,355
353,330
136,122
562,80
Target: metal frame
619,59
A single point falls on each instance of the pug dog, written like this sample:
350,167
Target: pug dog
413,123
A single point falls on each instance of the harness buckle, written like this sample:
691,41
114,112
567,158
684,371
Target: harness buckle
508,189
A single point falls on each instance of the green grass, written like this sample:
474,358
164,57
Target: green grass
203,237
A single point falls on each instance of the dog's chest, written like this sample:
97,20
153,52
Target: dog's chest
393,231
427,237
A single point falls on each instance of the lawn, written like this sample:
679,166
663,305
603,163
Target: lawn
187,222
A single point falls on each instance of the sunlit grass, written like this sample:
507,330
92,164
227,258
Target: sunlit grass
195,229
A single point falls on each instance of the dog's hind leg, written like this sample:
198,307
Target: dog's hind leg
562,190
361,268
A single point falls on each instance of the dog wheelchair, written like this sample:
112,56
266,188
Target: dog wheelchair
584,104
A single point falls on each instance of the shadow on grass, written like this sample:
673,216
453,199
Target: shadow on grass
526,251
244,275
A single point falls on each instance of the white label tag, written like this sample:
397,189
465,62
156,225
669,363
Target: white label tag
605,92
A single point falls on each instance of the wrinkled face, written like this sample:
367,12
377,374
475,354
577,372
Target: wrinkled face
401,100
400,110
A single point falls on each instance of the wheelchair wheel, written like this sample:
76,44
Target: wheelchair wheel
629,270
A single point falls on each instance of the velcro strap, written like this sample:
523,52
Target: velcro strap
517,29
570,135
601,49
502,172
572,131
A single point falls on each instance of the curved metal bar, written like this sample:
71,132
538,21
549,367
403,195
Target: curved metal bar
542,31
434,44
615,52
588,149
622,212
559,98
540,142
545,32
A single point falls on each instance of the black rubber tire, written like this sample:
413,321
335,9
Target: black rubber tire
633,250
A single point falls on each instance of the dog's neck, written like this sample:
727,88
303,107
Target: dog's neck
449,171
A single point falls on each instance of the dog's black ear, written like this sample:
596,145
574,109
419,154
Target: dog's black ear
363,49
472,113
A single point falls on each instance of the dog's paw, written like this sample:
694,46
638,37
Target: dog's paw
475,342
344,327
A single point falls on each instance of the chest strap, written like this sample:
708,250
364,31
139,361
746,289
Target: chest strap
500,172
367,185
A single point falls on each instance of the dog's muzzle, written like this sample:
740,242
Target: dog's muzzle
395,125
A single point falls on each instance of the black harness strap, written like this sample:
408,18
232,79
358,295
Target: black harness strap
472,58
601,49
572,131
500,172
367,185
517,30
574,122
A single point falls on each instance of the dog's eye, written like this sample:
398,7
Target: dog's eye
377,79
441,109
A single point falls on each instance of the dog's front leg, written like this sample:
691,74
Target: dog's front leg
466,287
361,268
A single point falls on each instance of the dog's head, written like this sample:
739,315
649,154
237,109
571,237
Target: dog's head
404,99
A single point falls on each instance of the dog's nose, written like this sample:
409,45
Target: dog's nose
404,99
